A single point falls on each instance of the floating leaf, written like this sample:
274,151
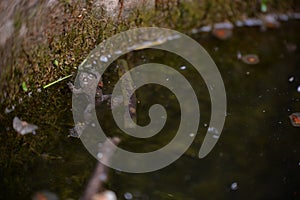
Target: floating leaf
295,119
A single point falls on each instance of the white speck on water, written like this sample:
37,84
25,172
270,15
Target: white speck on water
291,79
128,195
205,29
109,55
234,186
247,73
216,136
167,79
103,59
280,122
213,130
183,67
264,111
118,52
205,125
99,155
298,89
192,134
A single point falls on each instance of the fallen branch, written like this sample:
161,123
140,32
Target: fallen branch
100,175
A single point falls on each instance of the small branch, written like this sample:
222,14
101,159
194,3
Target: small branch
95,184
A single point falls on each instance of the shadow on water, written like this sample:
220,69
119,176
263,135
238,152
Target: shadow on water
257,156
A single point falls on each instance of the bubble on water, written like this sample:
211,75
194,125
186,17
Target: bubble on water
103,59
205,125
128,195
192,134
183,67
247,73
298,89
234,186
264,111
99,155
291,79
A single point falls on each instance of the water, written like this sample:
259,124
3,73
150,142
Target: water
256,157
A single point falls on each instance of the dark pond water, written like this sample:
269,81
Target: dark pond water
256,157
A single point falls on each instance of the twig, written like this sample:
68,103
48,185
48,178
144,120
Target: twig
95,184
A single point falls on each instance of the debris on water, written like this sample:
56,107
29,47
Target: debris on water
223,25
250,59
44,195
222,33
192,134
205,28
291,47
22,127
270,21
234,186
291,79
253,22
103,59
8,110
239,55
183,67
128,195
239,23
295,119
106,195
283,17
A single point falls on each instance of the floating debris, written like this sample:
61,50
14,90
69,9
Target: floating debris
107,195
103,59
250,59
270,21
22,127
253,22
222,33
183,67
290,47
128,196
205,28
234,186
291,79
295,119
8,110
44,195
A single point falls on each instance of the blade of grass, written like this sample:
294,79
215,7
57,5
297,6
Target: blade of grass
54,82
